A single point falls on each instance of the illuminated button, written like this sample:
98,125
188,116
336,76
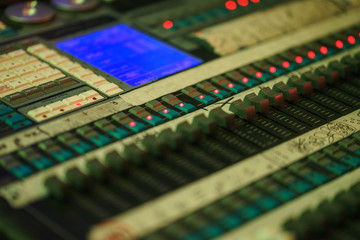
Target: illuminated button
261,104
18,83
73,99
81,73
242,109
208,87
286,64
254,74
317,81
195,94
17,53
38,112
109,89
290,93
128,122
275,98
161,109
37,48
269,69
39,66
171,99
57,60
91,94
320,50
7,76
15,98
27,59
94,80
152,120
174,101
146,116
304,87
33,78
292,57
331,76
56,106
11,64
22,71
13,118
225,83
242,79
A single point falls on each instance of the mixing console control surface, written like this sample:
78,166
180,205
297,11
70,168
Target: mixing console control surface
179,120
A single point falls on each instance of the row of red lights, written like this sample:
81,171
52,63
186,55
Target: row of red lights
231,5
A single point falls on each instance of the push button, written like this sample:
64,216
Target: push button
128,122
278,61
161,109
242,79
291,56
322,160
12,118
222,118
15,166
76,144
141,113
206,125
343,69
15,98
116,132
55,150
225,83
352,62
195,94
181,105
35,158
208,87
265,67
93,136
255,74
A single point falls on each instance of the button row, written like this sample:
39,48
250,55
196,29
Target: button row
74,69
24,78
66,105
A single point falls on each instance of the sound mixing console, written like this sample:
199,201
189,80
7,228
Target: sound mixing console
189,120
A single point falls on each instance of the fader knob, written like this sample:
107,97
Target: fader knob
75,5
29,12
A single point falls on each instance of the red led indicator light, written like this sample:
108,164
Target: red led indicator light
259,74
298,59
323,50
339,44
245,80
78,104
201,96
230,85
230,5
255,1
165,111
243,3
181,104
351,40
132,124
311,54
272,69
286,64
44,116
148,117
216,91
168,24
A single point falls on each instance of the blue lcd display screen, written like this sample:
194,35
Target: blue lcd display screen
128,55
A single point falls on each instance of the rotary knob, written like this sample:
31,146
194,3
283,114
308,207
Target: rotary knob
29,12
75,5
